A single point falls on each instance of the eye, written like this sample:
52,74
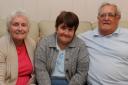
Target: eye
102,15
15,24
111,15
70,29
23,24
63,27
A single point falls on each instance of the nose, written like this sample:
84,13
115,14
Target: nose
19,27
66,31
106,17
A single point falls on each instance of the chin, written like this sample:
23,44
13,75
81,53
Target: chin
19,38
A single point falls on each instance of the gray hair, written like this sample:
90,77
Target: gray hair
118,13
13,15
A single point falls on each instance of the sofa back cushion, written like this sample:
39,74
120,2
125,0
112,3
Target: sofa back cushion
34,30
46,28
3,28
83,26
124,24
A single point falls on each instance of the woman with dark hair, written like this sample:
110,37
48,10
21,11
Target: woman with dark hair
62,58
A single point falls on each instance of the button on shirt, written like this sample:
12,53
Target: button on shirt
59,64
108,57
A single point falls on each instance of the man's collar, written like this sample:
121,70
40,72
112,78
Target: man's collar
97,34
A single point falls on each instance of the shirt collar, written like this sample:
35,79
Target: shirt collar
72,44
97,34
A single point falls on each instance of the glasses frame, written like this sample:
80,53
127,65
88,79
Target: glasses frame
110,15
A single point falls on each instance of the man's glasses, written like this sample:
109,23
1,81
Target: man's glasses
111,15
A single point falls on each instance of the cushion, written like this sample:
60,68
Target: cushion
83,26
46,28
34,30
3,27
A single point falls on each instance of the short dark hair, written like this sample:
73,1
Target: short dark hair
70,19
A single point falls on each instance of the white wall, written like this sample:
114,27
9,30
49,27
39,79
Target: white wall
49,9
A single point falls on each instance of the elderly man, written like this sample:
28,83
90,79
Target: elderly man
108,49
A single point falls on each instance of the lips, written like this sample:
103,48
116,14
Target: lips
64,35
107,22
19,32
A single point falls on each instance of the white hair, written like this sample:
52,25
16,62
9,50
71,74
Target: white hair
118,13
14,14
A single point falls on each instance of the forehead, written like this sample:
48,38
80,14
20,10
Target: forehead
108,9
19,18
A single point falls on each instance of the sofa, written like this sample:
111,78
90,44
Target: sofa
44,28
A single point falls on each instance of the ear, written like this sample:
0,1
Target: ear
119,17
98,17
8,30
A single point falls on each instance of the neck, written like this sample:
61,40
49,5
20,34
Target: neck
62,46
18,42
106,32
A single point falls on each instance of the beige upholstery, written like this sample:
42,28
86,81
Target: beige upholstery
3,28
123,24
45,28
34,30
83,26
94,25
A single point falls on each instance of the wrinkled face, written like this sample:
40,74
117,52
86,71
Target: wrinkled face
108,19
19,28
65,34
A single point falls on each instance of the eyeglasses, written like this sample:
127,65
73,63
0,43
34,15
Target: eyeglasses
111,15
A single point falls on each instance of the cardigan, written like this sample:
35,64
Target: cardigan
75,65
9,60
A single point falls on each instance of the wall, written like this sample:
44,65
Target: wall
49,9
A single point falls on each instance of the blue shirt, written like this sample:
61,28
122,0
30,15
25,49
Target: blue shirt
108,57
59,64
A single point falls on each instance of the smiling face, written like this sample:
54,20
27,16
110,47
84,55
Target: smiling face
18,28
64,35
66,26
108,20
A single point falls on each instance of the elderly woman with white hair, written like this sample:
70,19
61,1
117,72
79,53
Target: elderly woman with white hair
16,52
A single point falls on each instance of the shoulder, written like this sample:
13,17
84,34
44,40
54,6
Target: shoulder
88,34
4,45
123,30
4,40
78,42
80,45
